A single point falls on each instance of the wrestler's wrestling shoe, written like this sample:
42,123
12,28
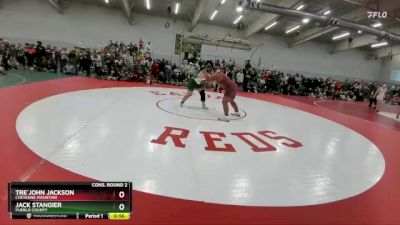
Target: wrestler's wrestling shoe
204,107
181,104
236,114
223,118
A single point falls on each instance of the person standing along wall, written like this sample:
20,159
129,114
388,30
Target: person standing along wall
168,72
380,97
372,95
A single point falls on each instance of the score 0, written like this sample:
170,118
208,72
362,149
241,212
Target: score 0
121,194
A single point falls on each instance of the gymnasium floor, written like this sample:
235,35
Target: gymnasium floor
286,160
19,77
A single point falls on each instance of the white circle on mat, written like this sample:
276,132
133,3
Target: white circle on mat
389,115
106,134
195,111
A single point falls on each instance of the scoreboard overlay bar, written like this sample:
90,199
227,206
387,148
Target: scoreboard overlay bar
70,200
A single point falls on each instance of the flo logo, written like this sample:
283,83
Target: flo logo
377,14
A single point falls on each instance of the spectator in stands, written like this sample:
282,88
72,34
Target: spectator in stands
20,54
380,97
30,53
252,81
13,56
108,61
128,61
239,78
63,54
6,61
69,69
120,61
2,48
97,62
73,60
40,57
53,59
155,71
161,68
86,63
372,95
168,72
247,65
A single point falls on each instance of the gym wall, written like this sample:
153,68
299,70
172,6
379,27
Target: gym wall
93,26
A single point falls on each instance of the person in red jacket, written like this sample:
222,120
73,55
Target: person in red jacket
267,75
155,71
30,53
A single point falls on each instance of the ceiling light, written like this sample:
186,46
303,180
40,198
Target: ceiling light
300,7
222,2
271,25
292,29
213,14
258,0
359,32
306,20
335,37
238,19
378,24
107,1
379,44
177,8
148,4
327,12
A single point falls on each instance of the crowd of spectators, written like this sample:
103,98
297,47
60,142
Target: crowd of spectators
133,62
273,81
